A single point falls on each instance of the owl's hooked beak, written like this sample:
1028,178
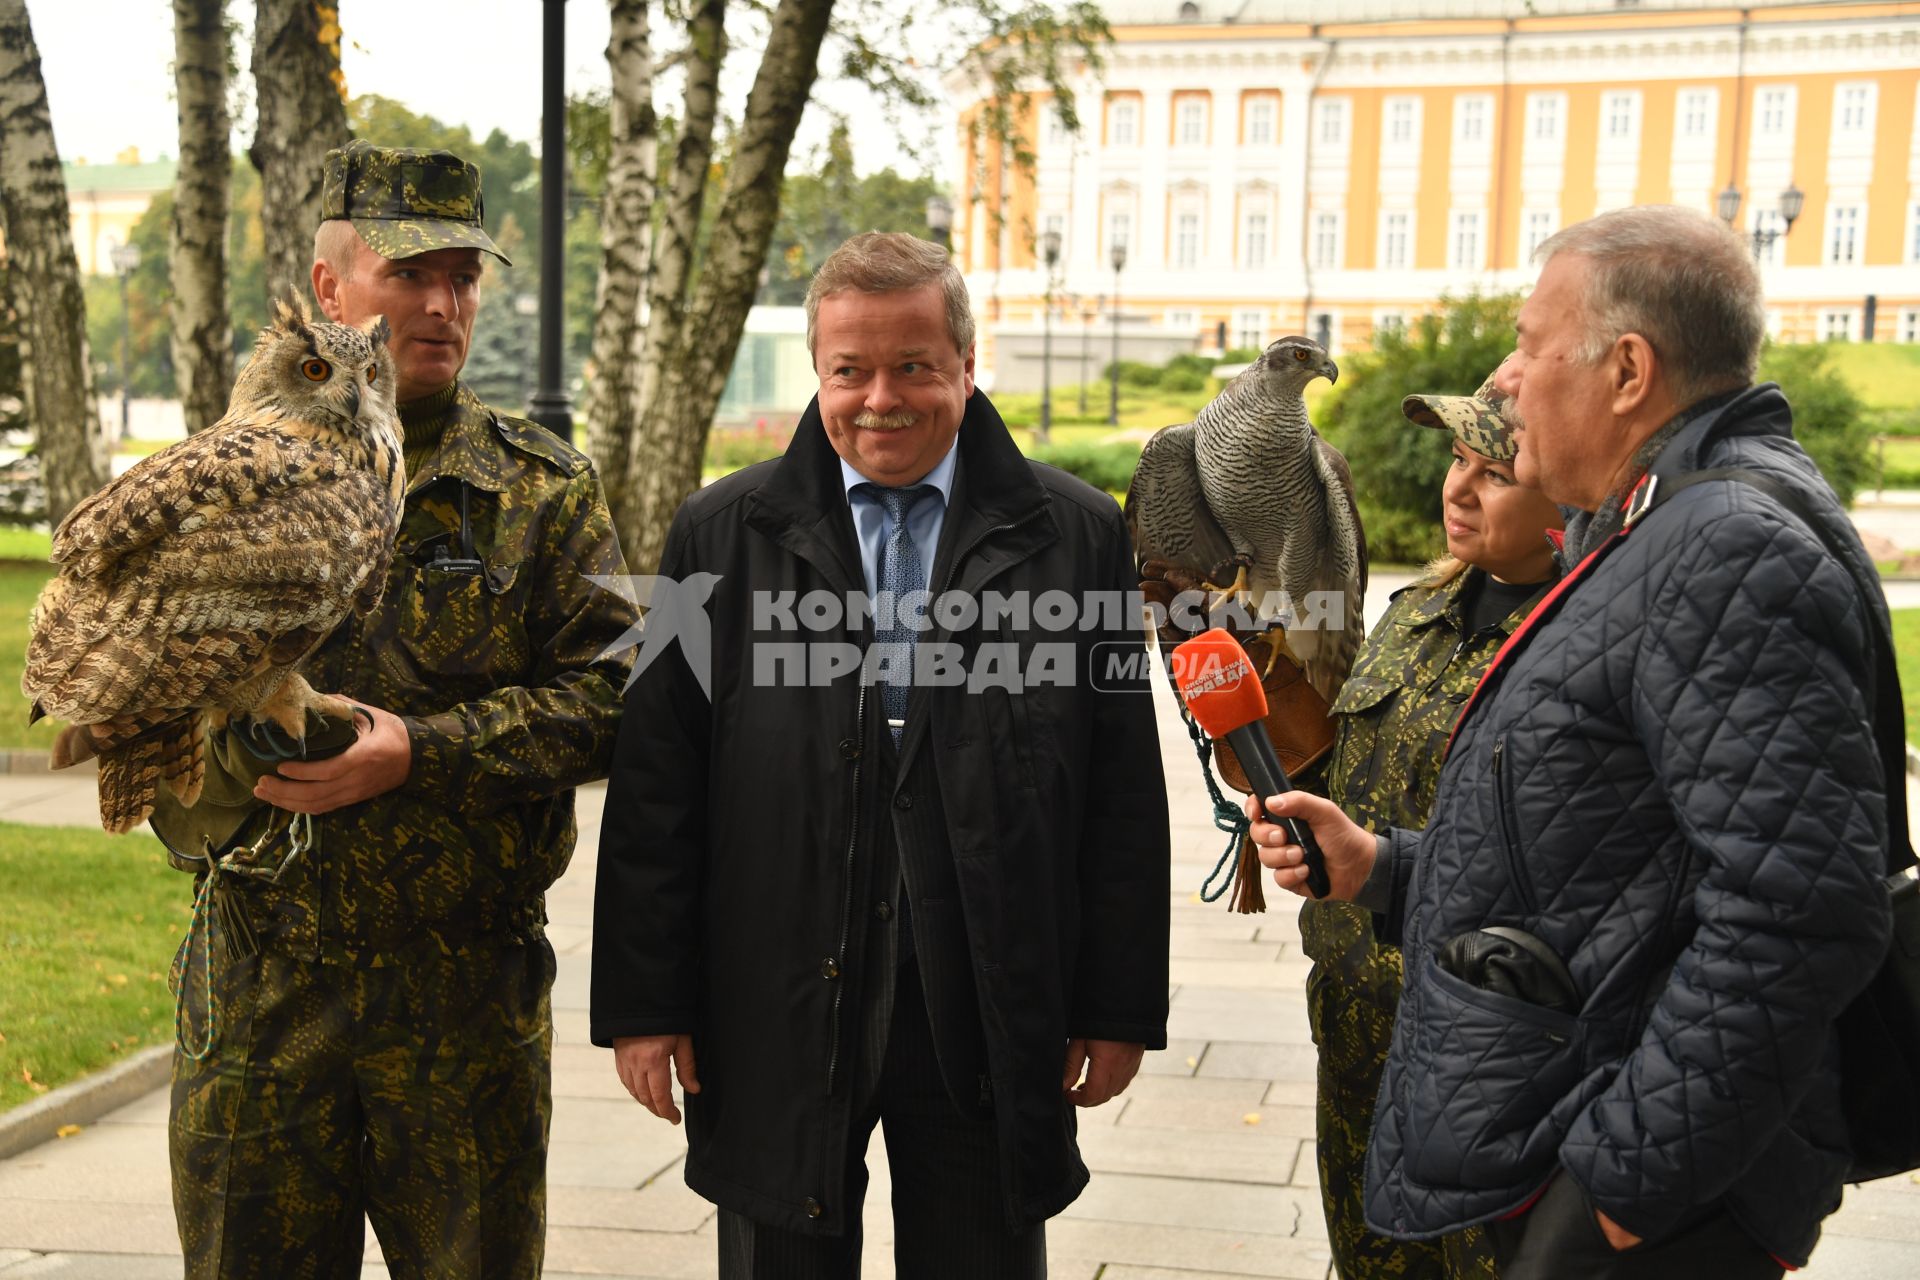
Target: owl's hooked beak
353,401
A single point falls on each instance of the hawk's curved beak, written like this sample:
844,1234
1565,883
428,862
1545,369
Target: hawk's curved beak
1329,370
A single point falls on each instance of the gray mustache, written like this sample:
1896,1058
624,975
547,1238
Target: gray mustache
885,421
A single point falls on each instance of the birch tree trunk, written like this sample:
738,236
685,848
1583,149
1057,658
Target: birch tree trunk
296,72
202,332
45,277
626,245
687,361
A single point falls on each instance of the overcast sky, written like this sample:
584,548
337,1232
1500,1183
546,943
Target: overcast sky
474,62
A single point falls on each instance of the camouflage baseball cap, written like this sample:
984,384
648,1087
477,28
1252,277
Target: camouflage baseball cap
404,201
1482,420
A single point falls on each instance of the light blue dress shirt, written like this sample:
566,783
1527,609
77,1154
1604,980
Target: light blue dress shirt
924,521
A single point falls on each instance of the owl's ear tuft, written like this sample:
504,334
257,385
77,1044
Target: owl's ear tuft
290,313
379,331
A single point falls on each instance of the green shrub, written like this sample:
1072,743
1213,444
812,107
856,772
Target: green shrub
1104,466
1829,419
1398,467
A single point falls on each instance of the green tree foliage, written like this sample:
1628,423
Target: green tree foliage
819,210
1398,467
1829,420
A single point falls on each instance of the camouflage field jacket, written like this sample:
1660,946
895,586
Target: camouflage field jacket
494,650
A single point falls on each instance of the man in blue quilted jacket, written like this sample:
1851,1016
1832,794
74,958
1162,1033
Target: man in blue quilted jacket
1667,785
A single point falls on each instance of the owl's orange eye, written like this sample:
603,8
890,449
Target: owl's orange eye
316,369
373,374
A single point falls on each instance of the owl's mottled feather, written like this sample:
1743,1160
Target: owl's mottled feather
1250,485
197,581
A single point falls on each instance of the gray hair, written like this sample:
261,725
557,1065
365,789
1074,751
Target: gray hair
892,262
337,244
1681,280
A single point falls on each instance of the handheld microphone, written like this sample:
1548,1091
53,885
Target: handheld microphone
1217,681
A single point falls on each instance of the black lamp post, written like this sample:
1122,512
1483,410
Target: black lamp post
1050,254
940,222
1089,307
550,405
1119,261
126,260
1792,200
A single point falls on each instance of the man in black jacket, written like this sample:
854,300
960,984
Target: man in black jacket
847,878
1668,779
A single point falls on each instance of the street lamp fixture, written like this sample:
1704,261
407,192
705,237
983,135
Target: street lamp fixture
940,221
1050,254
126,260
1792,201
1089,308
1119,258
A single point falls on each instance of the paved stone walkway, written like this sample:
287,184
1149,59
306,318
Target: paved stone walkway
1204,1170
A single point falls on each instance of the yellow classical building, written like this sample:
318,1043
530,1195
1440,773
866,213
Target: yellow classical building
1266,170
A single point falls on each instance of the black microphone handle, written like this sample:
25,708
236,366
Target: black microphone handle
1264,774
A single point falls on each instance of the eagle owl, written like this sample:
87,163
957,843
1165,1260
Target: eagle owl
191,587
1250,488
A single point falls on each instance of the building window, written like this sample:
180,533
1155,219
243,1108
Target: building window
1396,240
1186,240
1913,232
1622,115
1332,116
1466,241
1843,235
1696,113
1191,126
1183,321
1260,122
1402,120
1854,107
1836,326
1769,222
1057,134
1774,110
1125,122
1543,111
1249,329
1253,241
1326,240
1320,324
1119,231
1909,330
1470,118
1540,224
1389,322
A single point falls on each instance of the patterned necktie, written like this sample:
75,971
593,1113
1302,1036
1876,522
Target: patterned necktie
900,572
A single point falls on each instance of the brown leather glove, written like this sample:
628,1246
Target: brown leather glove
1298,719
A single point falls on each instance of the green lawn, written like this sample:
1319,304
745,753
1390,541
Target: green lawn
88,925
1906,650
1886,375
1900,458
20,584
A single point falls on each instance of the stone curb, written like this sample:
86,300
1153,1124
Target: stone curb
26,760
85,1100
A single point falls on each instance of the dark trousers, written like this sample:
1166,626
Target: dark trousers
949,1217
1560,1239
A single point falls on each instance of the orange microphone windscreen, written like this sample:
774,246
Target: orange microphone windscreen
1217,681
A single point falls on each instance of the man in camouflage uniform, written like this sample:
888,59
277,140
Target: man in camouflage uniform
380,1033
1393,716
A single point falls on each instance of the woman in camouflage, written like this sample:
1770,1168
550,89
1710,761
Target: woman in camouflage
1408,685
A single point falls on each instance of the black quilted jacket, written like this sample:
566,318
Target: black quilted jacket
1672,781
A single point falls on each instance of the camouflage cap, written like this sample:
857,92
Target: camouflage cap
1482,421
404,201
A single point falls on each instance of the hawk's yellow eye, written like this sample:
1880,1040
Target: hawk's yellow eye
1297,355
316,369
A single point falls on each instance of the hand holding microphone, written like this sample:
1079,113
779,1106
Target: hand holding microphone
1222,691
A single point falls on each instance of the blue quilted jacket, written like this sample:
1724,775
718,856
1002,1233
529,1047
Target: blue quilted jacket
1672,781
